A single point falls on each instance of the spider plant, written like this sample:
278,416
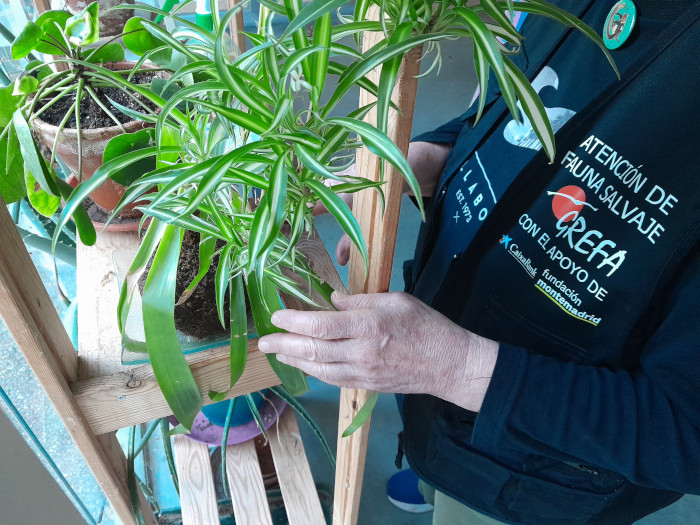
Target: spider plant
247,146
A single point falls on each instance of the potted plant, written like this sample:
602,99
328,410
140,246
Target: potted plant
69,107
254,147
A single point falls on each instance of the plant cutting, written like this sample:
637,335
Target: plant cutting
254,147
69,109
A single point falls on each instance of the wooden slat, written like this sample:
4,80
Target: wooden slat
236,25
133,396
197,494
27,312
26,306
250,506
296,483
380,234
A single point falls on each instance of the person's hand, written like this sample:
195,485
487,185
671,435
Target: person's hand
390,342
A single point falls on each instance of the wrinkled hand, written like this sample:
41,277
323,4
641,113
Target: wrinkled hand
390,342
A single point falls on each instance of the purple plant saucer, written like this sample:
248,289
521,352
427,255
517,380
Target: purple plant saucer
208,433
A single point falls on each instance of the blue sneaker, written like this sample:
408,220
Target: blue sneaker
402,490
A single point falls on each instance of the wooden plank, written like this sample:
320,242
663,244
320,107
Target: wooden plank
197,494
133,396
23,299
237,26
380,234
113,451
26,306
296,483
250,506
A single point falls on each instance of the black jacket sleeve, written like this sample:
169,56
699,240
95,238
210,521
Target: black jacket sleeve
644,424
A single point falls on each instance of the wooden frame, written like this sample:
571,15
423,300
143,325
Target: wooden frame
94,394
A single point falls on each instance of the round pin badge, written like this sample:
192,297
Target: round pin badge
619,24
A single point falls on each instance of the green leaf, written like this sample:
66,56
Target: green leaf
533,108
12,184
86,230
246,120
167,448
51,35
341,212
495,11
38,69
276,197
482,74
8,105
27,41
388,75
111,52
148,246
127,143
25,85
231,77
362,415
264,301
206,254
310,162
377,56
379,144
43,202
158,303
83,29
239,329
543,8
256,414
221,281
299,409
310,13
30,152
296,58
137,38
488,46
101,174
322,38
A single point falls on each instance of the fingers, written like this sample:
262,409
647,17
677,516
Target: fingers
307,348
342,250
339,374
321,325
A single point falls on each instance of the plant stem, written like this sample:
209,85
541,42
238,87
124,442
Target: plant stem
78,96
224,442
58,133
146,436
103,107
58,97
167,448
46,88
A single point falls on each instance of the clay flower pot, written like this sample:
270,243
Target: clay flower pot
94,142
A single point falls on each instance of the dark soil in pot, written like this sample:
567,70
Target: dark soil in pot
91,114
197,316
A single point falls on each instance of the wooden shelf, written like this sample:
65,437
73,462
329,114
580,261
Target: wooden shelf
112,395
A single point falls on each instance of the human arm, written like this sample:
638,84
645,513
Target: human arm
643,423
389,342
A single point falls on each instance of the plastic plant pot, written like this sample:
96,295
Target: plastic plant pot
216,413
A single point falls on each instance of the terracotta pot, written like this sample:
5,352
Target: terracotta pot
94,142
111,23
